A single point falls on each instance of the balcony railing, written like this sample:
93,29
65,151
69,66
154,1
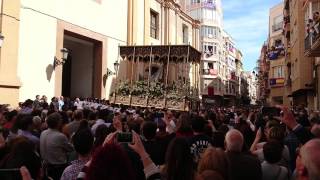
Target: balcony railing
208,4
276,52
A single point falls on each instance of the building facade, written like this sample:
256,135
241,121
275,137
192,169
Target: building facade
276,57
220,80
36,32
310,10
300,68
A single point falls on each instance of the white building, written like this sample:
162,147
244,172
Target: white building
219,80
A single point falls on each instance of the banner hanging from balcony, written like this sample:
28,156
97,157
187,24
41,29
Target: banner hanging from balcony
276,81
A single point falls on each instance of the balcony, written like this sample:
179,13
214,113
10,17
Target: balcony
276,52
207,4
276,82
312,44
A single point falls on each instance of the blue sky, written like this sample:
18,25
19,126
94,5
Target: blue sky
247,22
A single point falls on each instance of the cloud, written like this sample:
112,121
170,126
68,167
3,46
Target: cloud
247,22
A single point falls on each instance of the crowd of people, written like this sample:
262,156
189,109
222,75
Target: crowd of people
91,139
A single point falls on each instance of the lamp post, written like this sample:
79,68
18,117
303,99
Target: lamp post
1,39
65,53
116,68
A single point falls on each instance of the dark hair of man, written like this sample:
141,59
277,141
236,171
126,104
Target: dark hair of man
83,141
78,115
198,123
26,122
149,130
10,115
272,151
53,120
179,161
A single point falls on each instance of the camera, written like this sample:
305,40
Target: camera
124,137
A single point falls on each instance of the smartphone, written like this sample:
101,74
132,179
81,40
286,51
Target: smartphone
125,137
271,111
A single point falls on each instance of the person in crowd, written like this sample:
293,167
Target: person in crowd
72,127
275,133
27,107
184,128
199,142
102,132
179,163
22,153
241,165
10,119
214,159
272,151
61,103
82,142
78,104
54,147
308,162
37,102
26,130
37,126
153,146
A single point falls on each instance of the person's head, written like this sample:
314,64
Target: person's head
209,175
149,130
37,97
101,133
198,123
272,151
269,125
54,120
26,123
110,162
234,141
214,159
276,133
10,116
22,153
179,161
184,124
308,161
78,115
83,141
61,98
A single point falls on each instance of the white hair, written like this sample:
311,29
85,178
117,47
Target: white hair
310,153
234,141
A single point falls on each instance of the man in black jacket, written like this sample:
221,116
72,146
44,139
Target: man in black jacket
241,165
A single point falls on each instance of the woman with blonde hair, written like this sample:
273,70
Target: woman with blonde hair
214,159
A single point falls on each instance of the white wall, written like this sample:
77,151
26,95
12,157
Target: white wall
37,47
38,29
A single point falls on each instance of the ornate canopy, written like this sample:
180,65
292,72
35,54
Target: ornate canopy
160,52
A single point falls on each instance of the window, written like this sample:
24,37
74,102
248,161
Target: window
277,23
278,72
195,1
185,34
210,65
209,49
154,24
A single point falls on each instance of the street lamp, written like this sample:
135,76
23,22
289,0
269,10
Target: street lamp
116,66
65,53
1,39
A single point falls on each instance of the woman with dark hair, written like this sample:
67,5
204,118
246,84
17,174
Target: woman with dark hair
179,161
22,153
184,128
110,162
